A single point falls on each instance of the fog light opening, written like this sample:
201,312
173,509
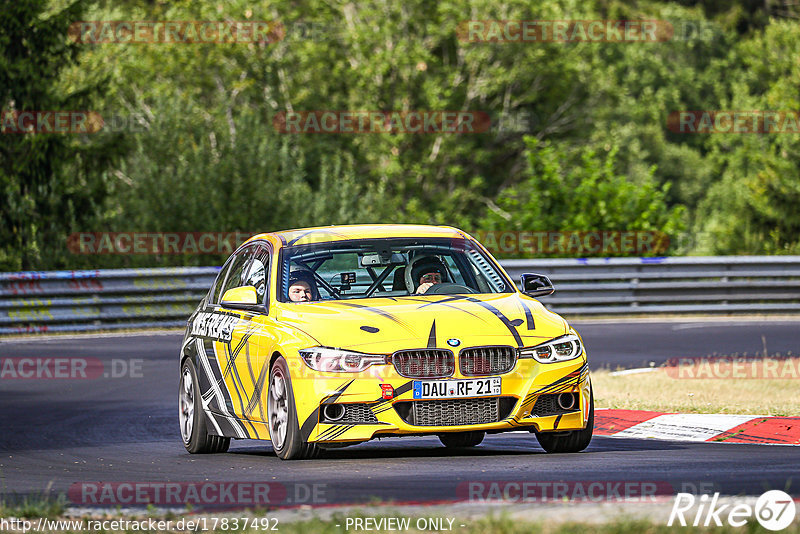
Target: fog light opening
566,401
333,412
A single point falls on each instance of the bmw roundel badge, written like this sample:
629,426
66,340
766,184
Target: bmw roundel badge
453,342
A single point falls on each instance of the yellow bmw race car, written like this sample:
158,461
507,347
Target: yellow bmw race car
326,337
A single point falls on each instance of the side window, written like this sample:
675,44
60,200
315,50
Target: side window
258,274
216,292
237,270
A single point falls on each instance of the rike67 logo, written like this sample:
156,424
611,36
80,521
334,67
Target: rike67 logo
774,510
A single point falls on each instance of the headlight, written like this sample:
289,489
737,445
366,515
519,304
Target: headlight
559,349
339,361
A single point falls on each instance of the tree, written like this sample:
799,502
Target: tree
583,190
51,182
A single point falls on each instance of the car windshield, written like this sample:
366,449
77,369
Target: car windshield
389,268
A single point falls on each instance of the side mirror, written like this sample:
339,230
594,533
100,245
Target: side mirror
536,285
244,296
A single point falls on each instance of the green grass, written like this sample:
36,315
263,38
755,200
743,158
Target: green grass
666,389
33,506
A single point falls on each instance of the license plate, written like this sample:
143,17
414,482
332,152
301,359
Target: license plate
453,389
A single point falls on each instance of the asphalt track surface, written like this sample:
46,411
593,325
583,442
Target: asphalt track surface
55,434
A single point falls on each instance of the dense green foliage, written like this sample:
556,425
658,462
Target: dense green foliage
579,137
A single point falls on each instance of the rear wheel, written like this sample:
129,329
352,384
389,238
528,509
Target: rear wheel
455,440
284,430
571,441
191,417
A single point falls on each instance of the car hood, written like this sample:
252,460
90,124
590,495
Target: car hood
384,325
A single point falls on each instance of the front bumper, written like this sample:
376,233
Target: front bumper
521,387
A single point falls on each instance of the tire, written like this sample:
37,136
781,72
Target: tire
458,440
572,441
284,430
191,417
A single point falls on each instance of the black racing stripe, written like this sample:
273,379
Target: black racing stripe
327,432
339,391
231,367
404,388
216,369
500,315
258,390
340,431
321,231
528,315
312,420
444,303
333,432
432,336
557,421
298,238
558,383
454,298
397,392
309,424
226,427
382,313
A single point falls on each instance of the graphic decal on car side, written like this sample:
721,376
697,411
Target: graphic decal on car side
230,370
216,393
575,377
260,384
311,421
217,326
334,432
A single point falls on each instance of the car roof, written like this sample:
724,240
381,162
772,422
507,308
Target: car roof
321,234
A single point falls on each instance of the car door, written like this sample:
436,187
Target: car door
254,366
235,354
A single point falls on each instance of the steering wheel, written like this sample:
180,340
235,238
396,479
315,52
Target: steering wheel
448,289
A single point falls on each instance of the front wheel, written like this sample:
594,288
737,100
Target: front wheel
190,415
572,441
284,430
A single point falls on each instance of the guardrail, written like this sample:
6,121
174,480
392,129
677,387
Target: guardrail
137,298
672,285
73,301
